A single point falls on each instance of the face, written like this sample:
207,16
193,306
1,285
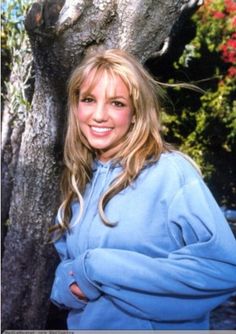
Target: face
105,115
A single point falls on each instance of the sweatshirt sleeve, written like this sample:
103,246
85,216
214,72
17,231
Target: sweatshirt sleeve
60,293
195,278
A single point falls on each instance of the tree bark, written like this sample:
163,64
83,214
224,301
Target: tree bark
61,32
13,121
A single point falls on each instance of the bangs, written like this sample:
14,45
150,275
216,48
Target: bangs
95,75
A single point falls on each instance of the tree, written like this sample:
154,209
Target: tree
60,33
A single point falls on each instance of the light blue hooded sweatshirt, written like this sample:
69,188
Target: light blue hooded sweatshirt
169,260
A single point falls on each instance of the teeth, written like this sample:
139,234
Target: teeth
100,129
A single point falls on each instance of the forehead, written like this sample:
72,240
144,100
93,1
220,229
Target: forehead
106,80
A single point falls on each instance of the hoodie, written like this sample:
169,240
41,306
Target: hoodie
169,259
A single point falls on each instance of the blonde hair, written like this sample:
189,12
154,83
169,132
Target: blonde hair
142,145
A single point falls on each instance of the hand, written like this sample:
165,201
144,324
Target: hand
74,288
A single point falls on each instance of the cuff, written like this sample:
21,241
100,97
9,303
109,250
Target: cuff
61,294
90,289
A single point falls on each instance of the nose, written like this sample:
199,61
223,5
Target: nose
100,113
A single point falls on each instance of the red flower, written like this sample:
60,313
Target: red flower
232,43
232,71
234,22
230,6
228,50
218,15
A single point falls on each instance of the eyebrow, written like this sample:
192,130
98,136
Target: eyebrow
87,93
117,97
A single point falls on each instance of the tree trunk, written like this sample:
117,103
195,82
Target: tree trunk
17,97
60,33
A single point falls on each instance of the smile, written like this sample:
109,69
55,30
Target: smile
100,130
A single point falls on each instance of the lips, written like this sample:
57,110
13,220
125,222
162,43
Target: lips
100,129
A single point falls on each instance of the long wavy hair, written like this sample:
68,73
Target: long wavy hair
142,145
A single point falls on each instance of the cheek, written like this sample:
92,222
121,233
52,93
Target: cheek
123,119
81,120
81,115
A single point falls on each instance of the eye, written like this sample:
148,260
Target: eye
87,99
118,104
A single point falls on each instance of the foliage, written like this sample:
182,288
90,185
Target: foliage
16,55
204,126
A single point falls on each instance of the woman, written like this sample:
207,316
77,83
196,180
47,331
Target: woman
143,244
